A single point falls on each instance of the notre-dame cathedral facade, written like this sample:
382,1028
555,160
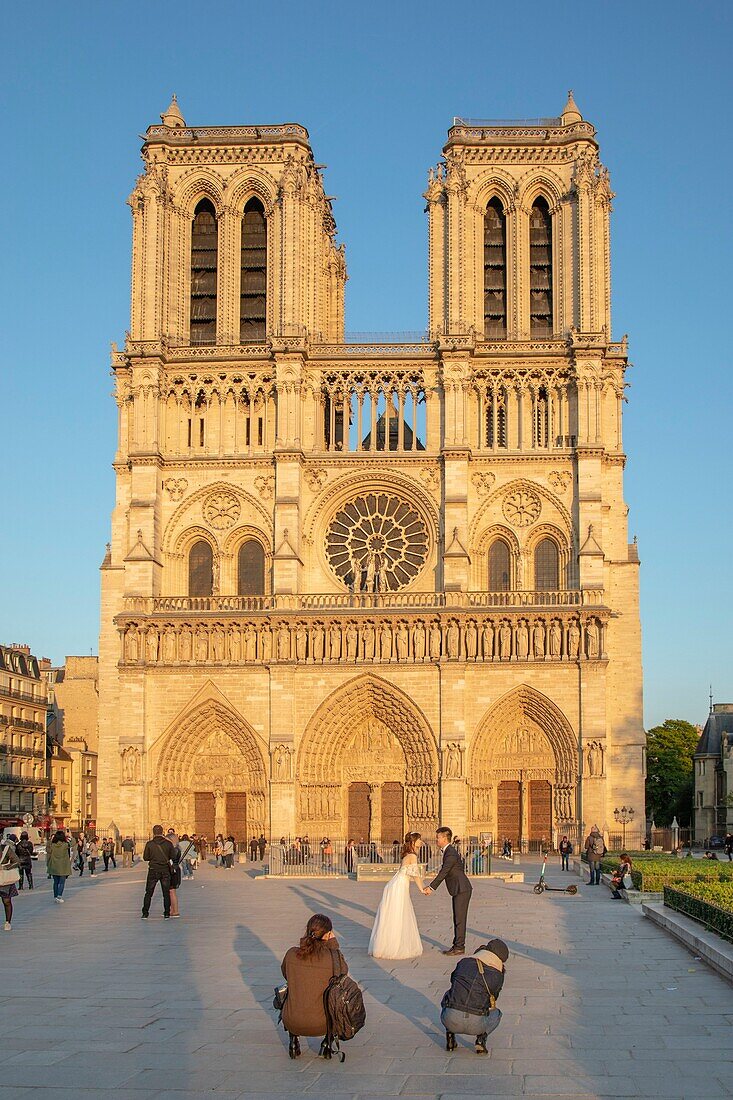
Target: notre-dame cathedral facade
355,587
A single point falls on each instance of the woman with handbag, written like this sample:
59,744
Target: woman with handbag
308,969
9,878
58,864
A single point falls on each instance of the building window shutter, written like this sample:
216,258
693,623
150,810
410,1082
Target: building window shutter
253,286
204,263
540,270
494,272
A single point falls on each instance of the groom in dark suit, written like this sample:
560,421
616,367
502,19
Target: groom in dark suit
452,872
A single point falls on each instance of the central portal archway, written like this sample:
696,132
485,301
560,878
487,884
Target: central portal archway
523,770
209,775
367,765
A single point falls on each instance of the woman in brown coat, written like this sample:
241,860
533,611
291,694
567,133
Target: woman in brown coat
308,969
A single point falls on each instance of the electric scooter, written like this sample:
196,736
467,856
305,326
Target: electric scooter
542,885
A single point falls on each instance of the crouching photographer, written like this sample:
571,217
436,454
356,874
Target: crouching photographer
469,1006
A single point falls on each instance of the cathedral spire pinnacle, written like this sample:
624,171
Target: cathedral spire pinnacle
570,112
173,117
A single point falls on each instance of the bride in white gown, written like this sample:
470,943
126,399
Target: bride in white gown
395,934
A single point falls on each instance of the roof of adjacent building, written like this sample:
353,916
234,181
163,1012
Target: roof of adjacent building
20,660
718,726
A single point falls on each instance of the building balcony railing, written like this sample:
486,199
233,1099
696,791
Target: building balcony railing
21,723
29,754
39,699
367,601
23,781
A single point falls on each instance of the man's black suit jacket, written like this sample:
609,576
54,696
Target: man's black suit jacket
452,873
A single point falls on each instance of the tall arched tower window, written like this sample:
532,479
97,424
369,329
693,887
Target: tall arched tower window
540,270
251,569
200,569
204,262
546,566
253,288
494,271
499,567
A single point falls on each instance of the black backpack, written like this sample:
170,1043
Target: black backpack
345,1013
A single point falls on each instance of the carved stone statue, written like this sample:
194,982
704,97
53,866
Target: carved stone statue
217,643
334,642
522,641
436,641
235,645
403,642
555,639
595,758
318,642
453,760
418,640
487,639
505,640
132,649
281,762
538,640
453,639
130,764
215,574
250,642
471,640
385,642
301,642
593,639
573,639
202,644
151,645
283,642
185,643
352,642
169,646
368,636
265,643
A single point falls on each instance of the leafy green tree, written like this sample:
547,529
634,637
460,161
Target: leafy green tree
669,780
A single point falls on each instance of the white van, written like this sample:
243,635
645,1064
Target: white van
35,836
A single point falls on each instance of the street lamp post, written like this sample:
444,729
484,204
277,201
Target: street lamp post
623,817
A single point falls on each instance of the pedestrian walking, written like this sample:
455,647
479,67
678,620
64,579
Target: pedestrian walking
469,1006
9,876
326,855
24,852
253,849
729,846
261,845
219,851
227,852
58,864
308,969
158,854
350,856
175,872
93,854
566,850
595,849
107,852
128,851
81,853
188,849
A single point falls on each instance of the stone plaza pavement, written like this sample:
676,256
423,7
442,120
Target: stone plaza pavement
97,1003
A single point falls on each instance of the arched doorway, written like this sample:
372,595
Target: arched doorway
367,766
210,775
523,771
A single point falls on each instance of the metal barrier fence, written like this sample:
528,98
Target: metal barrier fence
337,859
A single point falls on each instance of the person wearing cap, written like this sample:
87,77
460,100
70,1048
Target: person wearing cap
469,1006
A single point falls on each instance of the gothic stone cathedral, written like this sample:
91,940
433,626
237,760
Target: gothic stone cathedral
356,587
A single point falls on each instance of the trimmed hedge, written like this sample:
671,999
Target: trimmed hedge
710,904
654,873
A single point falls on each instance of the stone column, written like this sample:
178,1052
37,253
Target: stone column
375,819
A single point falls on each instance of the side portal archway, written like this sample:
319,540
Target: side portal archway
208,775
523,770
367,765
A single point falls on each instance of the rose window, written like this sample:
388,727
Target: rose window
222,510
376,543
522,507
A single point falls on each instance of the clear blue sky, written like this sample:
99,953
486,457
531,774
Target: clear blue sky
377,86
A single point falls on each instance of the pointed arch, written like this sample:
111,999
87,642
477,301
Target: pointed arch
524,706
321,751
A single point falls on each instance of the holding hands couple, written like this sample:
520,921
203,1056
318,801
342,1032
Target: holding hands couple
396,934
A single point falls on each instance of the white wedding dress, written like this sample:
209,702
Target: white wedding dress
395,934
